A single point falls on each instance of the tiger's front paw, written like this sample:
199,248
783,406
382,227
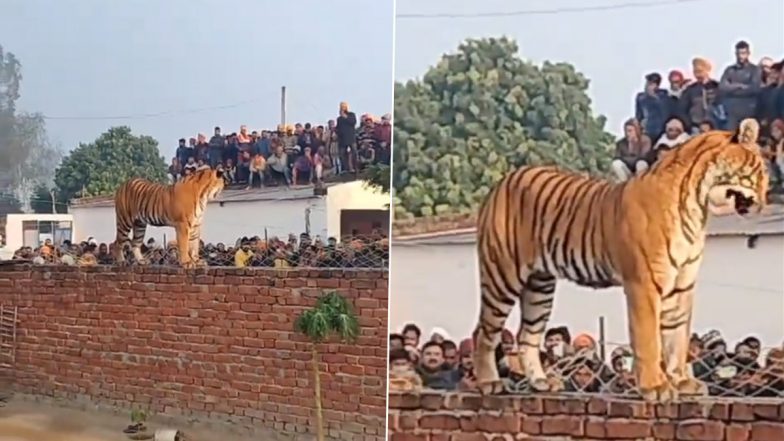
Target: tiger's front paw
490,387
692,386
663,393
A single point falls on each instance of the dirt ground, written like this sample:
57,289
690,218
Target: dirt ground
34,421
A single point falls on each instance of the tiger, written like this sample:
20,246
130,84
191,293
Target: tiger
139,202
647,234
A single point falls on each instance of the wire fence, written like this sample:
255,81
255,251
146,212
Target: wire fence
748,371
370,251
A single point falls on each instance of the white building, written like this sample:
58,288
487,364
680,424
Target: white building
349,208
740,288
33,229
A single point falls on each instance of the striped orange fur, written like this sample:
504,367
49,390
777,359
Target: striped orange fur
540,224
139,203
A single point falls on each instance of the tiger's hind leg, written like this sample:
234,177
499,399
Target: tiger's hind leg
123,237
139,230
183,245
536,304
493,312
193,247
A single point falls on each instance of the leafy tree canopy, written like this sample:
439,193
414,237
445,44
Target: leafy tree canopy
26,156
100,167
378,177
479,113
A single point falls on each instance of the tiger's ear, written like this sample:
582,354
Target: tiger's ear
747,133
218,173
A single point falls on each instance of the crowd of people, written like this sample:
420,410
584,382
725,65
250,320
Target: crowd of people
297,154
364,252
575,364
667,117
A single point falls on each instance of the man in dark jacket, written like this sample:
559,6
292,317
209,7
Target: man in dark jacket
698,101
769,98
652,107
739,87
347,136
217,144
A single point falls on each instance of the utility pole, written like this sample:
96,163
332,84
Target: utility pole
283,105
54,205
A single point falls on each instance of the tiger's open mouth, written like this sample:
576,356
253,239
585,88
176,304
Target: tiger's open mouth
742,202
733,199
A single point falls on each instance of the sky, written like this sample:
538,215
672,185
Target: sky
195,64
613,48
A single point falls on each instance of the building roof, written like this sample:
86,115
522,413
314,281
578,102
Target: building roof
227,195
460,229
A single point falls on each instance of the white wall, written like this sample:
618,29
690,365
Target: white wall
221,224
352,196
13,226
740,291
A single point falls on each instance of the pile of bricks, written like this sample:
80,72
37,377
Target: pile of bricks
468,417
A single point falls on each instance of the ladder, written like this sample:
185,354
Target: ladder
8,319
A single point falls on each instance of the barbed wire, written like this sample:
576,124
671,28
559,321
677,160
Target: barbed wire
370,251
747,372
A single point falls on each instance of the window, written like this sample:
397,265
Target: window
35,233
30,233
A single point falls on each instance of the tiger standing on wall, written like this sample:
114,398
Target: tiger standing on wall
139,203
647,234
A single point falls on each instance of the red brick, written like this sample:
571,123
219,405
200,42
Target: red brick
531,425
466,437
595,427
407,437
663,430
439,421
564,406
531,406
700,430
504,423
742,412
122,331
628,429
767,431
562,425
767,411
597,406
431,401
737,432
629,409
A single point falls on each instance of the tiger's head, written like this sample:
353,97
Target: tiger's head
208,182
737,179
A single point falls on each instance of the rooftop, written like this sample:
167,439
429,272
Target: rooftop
235,194
461,229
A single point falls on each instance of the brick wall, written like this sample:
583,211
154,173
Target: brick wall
208,343
468,417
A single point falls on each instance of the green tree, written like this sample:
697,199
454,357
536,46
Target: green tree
481,112
9,204
45,201
331,315
27,158
100,167
378,177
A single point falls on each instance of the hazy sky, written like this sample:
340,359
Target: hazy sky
614,49
107,58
